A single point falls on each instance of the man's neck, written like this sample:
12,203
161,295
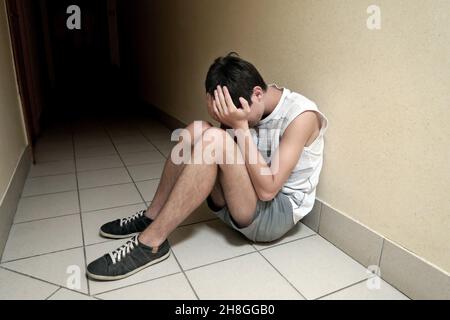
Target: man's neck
272,98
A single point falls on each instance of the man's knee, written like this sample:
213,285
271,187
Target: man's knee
196,130
199,126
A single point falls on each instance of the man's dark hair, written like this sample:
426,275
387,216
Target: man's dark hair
238,75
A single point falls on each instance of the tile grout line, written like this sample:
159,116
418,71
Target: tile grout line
185,275
110,208
48,218
381,255
39,255
282,275
219,261
137,283
37,279
81,216
339,290
53,293
280,244
154,145
126,168
320,218
45,281
47,194
286,242
50,175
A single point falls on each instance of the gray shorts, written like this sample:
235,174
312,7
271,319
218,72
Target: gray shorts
271,221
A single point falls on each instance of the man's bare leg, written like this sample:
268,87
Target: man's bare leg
170,175
193,186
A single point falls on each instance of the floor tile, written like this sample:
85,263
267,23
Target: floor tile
54,155
121,133
43,236
204,243
55,268
64,294
249,277
18,287
148,188
52,168
135,147
298,232
97,163
164,143
92,221
104,177
92,152
47,206
166,267
54,145
159,135
139,158
174,287
372,289
51,184
315,267
98,140
146,171
109,197
133,138
165,151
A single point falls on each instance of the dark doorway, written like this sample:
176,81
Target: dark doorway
65,73
82,61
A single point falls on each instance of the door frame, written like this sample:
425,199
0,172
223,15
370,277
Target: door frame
22,62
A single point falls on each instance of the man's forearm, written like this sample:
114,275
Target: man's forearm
259,171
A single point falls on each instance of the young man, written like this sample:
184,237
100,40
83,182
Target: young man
276,152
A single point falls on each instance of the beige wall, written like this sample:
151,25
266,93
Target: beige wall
386,94
12,136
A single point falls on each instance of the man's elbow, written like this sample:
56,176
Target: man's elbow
266,195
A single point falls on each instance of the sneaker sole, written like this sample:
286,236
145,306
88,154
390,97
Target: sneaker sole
111,278
115,236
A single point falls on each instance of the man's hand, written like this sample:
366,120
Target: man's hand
227,113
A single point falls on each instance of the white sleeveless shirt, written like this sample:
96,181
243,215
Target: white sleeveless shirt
301,185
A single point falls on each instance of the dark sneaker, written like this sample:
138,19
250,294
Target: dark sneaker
126,227
127,260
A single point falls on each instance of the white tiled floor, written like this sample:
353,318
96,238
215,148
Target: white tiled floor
93,172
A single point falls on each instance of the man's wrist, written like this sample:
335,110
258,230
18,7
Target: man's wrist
242,126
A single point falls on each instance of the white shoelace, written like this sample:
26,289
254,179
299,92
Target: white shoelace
131,218
120,253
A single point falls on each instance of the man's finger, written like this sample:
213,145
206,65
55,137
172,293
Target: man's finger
217,102
244,104
222,100
228,99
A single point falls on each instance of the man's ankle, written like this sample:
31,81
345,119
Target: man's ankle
148,213
150,241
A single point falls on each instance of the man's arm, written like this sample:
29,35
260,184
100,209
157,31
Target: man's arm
269,179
